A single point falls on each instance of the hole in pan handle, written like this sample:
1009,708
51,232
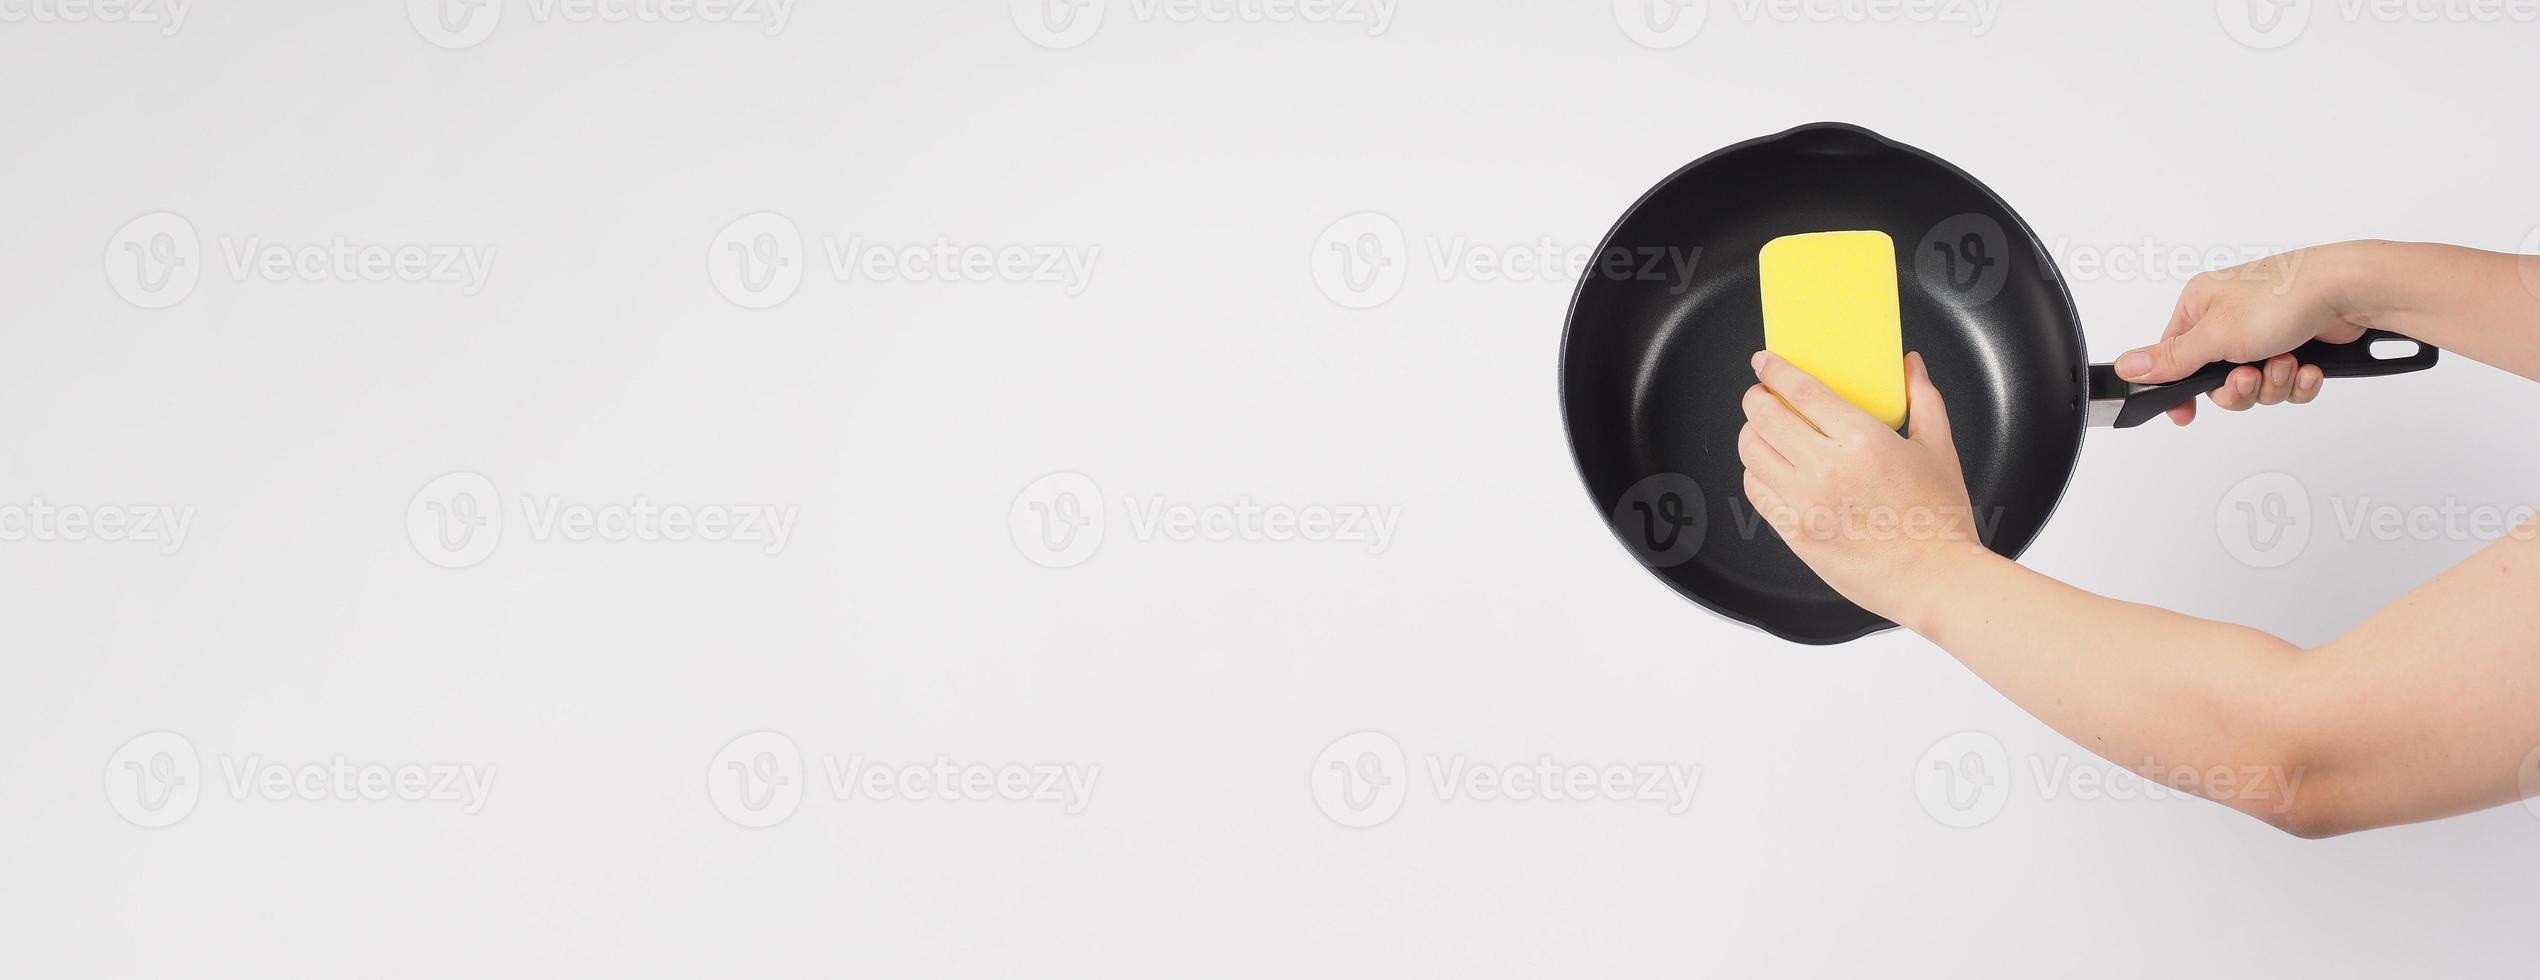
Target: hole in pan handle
2123,404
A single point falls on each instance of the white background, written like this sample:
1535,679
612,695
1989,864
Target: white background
910,616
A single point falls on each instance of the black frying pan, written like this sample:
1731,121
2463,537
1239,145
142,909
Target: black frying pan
1653,363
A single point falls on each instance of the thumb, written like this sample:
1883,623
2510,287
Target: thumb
1926,419
2173,358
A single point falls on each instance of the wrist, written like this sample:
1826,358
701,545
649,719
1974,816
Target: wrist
2370,283
1937,582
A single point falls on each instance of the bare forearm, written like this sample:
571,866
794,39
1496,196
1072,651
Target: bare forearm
2421,711
2175,698
2481,305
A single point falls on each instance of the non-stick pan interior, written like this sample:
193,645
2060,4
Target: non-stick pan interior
1653,364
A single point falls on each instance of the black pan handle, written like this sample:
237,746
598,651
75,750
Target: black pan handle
2136,404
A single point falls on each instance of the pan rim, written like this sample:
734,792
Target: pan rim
2078,376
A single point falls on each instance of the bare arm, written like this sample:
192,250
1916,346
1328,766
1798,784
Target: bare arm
2425,710
2429,708
2481,305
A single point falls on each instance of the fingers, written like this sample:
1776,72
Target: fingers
1815,402
2307,383
1760,457
1779,428
1768,504
2276,383
2173,358
2239,389
2279,380
2183,412
1926,417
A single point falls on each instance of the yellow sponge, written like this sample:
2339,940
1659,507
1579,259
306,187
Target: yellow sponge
1830,309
